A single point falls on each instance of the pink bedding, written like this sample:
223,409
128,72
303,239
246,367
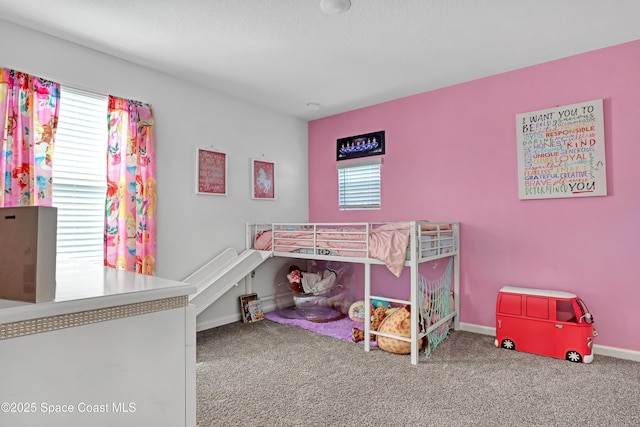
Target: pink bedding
387,243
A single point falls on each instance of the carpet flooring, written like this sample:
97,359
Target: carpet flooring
272,374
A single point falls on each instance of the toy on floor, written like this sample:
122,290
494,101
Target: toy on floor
357,311
317,297
379,303
546,322
377,316
311,283
393,321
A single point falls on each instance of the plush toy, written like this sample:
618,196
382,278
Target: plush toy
394,322
379,303
399,324
356,311
377,317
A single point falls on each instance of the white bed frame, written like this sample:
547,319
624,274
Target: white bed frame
443,240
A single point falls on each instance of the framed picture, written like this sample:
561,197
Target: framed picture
561,152
211,172
368,144
263,179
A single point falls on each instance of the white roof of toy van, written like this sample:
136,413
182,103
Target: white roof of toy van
538,292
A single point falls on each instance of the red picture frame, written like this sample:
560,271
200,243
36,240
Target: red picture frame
263,179
211,172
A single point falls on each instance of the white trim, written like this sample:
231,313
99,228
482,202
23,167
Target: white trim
268,304
220,321
190,365
478,329
344,164
618,353
601,350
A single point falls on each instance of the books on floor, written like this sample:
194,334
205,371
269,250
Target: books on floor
251,308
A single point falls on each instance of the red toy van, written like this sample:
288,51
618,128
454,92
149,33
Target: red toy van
550,323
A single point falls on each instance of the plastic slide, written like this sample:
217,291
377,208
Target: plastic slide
216,277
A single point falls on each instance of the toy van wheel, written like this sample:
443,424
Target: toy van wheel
508,344
574,356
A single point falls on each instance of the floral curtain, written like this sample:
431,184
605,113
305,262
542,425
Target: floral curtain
29,108
130,209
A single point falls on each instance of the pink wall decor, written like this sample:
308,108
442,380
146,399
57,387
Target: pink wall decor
211,172
263,181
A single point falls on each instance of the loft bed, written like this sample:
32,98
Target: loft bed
396,245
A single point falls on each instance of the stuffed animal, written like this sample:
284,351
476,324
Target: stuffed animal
377,316
398,323
357,312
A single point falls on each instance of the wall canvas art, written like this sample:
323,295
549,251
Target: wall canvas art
561,152
368,144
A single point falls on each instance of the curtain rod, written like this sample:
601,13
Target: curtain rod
93,92
75,85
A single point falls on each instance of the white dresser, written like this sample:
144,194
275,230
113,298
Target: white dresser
113,348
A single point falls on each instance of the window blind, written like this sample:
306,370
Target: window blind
79,175
359,186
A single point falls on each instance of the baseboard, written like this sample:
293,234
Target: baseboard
267,305
214,323
603,350
477,329
618,353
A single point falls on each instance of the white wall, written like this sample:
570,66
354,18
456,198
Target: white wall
192,228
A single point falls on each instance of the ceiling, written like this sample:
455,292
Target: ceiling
284,54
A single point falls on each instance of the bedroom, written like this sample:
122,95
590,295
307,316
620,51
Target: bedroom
457,143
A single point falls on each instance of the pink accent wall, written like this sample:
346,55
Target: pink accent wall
451,156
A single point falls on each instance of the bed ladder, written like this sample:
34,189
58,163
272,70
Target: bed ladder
222,273
416,334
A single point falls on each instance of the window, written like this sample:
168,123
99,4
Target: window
565,312
511,304
359,184
538,307
79,175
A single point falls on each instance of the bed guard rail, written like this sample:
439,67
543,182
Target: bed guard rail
348,239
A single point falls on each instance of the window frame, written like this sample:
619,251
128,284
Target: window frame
370,192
